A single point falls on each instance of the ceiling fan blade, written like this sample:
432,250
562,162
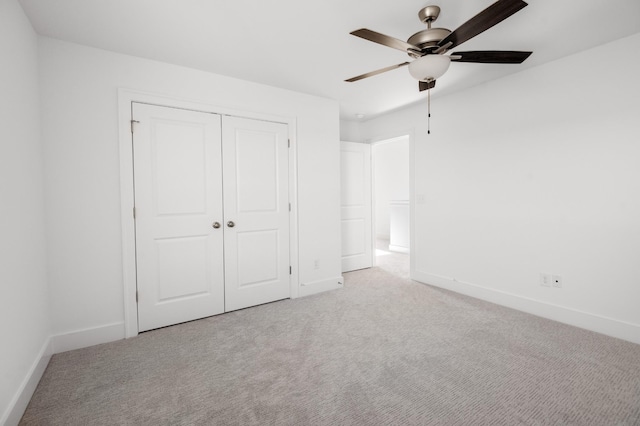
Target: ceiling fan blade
424,85
494,14
376,72
385,40
491,56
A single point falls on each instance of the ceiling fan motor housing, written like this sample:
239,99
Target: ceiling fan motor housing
428,39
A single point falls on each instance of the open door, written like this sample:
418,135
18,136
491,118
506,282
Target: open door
356,206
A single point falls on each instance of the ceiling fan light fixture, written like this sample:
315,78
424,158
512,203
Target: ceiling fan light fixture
429,67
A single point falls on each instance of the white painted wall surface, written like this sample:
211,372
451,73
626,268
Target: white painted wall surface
391,180
24,311
80,127
535,172
350,131
400,226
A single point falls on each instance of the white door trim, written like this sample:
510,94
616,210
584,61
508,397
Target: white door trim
125,99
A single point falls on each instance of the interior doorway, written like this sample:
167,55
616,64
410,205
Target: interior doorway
391,204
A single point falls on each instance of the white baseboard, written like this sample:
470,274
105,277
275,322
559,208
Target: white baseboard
22,397
313,287
600,324
88,337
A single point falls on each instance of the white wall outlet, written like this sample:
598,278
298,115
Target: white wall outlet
316,264
545,280
556,281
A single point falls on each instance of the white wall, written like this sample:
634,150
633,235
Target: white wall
535,172
24,312
80,128
350,131
391,179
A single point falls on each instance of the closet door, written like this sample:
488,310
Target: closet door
256,211
178,200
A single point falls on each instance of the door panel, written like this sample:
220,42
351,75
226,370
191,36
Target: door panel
259,263
178,193
182,265
179,169
256,200
355,194
256,171
354,243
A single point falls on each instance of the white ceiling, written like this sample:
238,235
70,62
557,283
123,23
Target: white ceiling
305,46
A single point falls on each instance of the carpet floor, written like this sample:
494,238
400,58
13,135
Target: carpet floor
381,351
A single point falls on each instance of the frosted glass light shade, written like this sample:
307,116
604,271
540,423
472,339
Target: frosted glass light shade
429,67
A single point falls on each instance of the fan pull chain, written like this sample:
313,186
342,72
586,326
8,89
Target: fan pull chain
428,111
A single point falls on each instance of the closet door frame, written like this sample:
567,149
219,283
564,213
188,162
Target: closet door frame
126,97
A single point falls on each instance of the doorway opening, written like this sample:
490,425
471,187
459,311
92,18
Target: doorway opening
391,204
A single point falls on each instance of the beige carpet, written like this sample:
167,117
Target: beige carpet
382,351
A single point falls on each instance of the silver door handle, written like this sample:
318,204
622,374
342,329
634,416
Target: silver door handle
216,225
230,224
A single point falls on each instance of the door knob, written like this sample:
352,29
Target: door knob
216,225
230,224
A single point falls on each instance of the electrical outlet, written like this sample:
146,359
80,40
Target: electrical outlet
556,281
316,264
545,280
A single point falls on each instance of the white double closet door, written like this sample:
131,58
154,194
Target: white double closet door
211,213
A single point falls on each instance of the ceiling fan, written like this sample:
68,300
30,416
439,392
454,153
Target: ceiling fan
428,47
